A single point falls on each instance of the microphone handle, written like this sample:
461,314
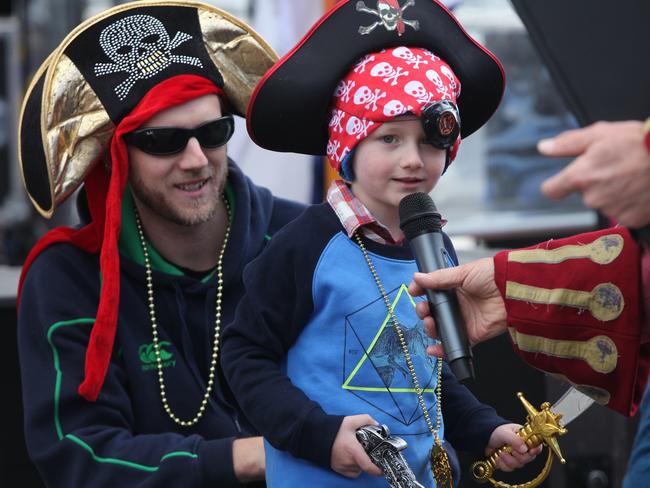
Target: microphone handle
430,255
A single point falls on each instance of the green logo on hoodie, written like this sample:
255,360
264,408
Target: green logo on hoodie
147,353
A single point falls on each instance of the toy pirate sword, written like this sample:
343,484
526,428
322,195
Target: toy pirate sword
383,449
542,427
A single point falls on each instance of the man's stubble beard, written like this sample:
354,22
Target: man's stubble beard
158,203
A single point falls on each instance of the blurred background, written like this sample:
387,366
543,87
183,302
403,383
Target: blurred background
490,196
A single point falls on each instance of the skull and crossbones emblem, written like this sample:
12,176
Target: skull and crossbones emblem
366,97
391,16
344,89
336,119
358,127
333,149
140,46
442,89
388,73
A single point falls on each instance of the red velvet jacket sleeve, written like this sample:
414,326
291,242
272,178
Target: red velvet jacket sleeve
575,310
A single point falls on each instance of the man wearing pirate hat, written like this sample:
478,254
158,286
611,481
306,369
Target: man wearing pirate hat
120,317
326,339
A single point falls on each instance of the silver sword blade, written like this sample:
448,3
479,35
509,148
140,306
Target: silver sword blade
571,405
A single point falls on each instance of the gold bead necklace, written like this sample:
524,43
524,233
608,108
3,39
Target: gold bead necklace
154,325
438,459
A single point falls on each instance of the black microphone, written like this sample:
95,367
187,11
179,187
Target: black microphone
421,224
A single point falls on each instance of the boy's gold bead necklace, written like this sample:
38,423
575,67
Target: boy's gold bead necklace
438,458
154,324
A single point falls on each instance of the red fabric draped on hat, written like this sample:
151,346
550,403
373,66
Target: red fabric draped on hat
382,86
104,192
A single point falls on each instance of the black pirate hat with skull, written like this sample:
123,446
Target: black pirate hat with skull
104,67
290,108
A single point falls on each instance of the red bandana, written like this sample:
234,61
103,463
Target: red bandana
104,193
382,86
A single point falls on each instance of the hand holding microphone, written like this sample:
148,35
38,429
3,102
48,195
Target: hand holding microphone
421,224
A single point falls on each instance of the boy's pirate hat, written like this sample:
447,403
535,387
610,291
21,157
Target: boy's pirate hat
289,110
104,67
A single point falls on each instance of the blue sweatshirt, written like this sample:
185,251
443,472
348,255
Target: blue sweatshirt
126,438
312,342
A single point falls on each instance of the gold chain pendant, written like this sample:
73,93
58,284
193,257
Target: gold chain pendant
154,324
438,459
440,468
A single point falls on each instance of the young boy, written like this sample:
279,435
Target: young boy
326,338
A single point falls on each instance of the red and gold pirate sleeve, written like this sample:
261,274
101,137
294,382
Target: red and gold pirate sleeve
574,310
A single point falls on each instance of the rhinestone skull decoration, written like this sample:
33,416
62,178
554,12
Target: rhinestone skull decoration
140,46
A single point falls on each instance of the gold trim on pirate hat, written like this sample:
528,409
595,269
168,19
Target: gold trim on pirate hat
104,67
290,108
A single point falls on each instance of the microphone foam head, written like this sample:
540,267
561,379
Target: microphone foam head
418,215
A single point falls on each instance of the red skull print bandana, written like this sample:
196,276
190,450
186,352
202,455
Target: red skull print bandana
382,86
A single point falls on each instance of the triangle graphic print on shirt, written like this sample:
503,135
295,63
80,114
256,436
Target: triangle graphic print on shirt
374,366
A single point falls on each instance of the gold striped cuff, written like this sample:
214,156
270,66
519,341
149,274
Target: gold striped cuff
605,302
599,352
603,250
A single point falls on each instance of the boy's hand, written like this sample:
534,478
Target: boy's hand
348,456
507,435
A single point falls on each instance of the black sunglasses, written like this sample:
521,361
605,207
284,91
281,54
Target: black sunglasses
163,141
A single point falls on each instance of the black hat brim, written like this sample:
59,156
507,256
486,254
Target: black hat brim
289,108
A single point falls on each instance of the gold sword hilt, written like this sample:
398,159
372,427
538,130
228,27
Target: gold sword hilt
541,427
